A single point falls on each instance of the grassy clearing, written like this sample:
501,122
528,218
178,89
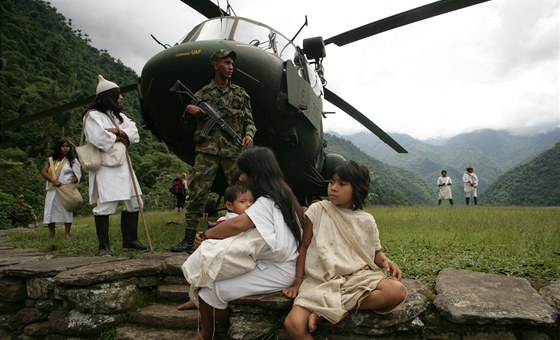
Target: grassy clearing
517,241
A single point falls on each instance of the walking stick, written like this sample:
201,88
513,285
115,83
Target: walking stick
140,208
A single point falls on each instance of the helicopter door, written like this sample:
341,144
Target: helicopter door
301,95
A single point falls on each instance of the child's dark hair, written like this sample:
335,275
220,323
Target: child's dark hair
261,165
56,155
358,176
230,194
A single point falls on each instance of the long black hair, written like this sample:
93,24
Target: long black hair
107,101
358,176
56,152
261,165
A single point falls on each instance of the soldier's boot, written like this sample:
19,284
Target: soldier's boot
102,229
129,229
467,200
187,244
51,230
475,200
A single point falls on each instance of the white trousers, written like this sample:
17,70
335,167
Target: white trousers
109,208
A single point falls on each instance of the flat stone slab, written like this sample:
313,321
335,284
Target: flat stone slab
135,332
551,294
165,316
109,271
468,297
53,266
9,257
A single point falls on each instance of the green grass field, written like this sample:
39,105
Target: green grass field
516,241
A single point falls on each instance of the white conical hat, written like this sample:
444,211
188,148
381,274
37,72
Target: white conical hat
104,85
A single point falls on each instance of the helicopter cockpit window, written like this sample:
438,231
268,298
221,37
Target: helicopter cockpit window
256,35
213,29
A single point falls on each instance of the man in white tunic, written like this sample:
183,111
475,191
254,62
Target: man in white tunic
105,126
470,182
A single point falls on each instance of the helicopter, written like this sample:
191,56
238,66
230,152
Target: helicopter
286,83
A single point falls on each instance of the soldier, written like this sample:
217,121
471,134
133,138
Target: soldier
22,214
218,150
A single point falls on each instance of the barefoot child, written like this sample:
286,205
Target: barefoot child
237,197
341,265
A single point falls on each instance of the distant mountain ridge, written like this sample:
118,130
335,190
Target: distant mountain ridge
535,183
491,152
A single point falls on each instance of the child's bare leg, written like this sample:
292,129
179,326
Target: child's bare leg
187,305
388,294
297,323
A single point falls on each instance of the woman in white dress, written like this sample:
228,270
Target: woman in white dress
65,169
276,215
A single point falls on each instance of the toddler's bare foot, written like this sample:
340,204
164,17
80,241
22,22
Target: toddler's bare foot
312,321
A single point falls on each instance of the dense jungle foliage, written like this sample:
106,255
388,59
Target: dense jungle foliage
45,63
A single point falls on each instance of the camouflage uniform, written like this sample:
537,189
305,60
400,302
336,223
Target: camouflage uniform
22,215
234,105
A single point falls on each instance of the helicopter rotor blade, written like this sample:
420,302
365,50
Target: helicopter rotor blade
417,14
55,110
206,8
357,115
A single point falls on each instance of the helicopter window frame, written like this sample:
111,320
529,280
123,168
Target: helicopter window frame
207,30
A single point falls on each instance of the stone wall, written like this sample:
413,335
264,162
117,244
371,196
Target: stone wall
45,297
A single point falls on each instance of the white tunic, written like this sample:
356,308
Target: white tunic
109,184
470,181
336,278
276,265
54,210
444,187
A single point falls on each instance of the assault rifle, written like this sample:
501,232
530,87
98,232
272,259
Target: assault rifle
213,116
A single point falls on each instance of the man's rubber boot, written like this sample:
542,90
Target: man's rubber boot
187,244
475,200
467,200
129,229
102,229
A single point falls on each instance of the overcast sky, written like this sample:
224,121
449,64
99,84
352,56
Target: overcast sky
494,65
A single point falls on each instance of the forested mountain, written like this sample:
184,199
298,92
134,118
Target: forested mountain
45,63
392,185
536,183
491,152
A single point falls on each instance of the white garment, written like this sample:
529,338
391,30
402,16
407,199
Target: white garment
275,267
54,210
110,183
337,279
444,188
470,183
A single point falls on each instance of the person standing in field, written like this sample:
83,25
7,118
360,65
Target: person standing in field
61,168
470,184
444,188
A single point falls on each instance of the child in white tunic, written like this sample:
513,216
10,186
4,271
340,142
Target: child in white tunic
341,265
